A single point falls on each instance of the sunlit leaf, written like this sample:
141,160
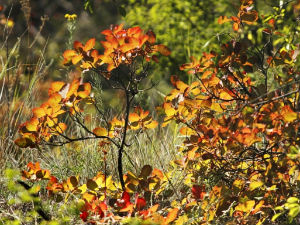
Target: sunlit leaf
100,131
223,19
246,206
76,59
171,216
89,44
255,184
140,203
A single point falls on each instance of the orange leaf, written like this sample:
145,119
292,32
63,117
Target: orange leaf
38,112
206,74
213,81
32,125
162,49
77,45
54,99
133,117
224,19
89,44
68,54
55,87
151,37
86,90
128,46
235,26
158,173
61,127
73,88
133,30
171,216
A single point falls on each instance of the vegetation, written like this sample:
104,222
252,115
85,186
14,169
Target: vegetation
221,148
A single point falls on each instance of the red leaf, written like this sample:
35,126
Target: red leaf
126,196
198,191
84,216
140,203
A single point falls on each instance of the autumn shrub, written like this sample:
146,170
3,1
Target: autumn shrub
239,118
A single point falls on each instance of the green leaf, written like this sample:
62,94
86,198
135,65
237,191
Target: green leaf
122,11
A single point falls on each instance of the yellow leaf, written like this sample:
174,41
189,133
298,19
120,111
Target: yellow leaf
76,59
255,184
151,125
169,110
288,114
211,214
83,188
238,183
88,196
225,96
206,74
181,220
257,207
186,131
246,206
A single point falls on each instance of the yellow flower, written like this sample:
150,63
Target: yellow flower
70,17
10,23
